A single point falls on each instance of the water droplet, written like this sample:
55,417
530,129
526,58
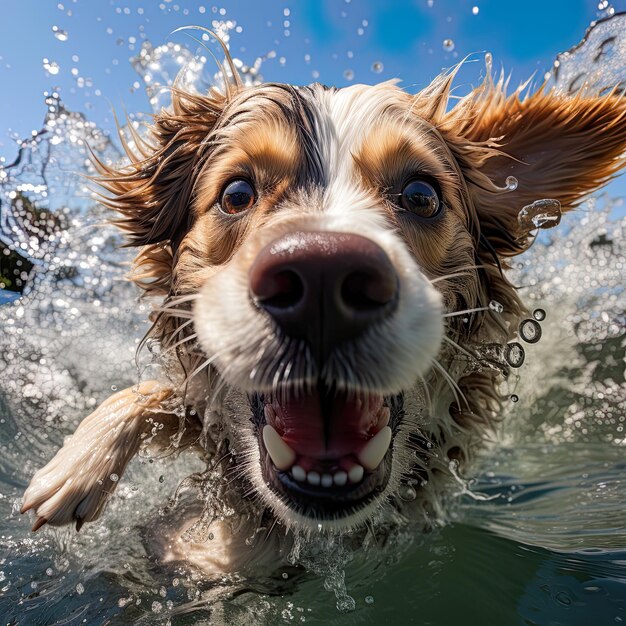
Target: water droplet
530,331
448,45
514,398
348,75
488,62
377,67
545,213
511,183
369,599
114,477
285,575
59,33
80,589
494,305
161,478
49,571
157,607
113,387
211,536
539,315
475,10
514,354
52,67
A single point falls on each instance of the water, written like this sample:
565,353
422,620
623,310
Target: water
538,536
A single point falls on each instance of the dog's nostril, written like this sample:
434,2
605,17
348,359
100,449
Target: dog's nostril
366,291
282,290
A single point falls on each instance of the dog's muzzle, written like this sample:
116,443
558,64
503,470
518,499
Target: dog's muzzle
326,451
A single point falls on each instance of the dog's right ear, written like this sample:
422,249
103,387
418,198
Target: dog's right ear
153,192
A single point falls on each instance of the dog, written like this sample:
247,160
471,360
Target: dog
330,265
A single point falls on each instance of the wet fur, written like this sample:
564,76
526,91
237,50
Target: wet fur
557,146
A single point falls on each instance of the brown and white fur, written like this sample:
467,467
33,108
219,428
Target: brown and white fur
329,161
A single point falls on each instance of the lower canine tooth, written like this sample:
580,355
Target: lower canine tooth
355,474
313,478
375,449
327,480
281,454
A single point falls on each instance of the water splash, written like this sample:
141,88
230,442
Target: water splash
514,354
60,34
511,183
159,66
596,64
572,387
52,67
530,331
496,306
545,213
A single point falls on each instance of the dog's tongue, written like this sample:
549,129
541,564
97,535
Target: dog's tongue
325,426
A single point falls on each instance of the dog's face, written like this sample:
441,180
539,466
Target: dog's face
328,236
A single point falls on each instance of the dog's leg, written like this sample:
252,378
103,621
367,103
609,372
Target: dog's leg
75,484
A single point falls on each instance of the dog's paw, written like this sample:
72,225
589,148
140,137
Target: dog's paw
71,488
75,484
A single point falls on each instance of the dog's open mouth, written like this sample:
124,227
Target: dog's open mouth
325,453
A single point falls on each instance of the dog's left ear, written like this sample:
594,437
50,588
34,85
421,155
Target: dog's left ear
549,145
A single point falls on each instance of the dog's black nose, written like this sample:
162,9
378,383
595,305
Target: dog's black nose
324,287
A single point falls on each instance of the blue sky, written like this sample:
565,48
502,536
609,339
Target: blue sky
334,41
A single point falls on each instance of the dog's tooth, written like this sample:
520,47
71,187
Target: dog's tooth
281,454
356,474
298,473
327,480
270,414
340,478
385,414
375,449
313,478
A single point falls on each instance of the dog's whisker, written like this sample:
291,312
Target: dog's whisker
269,532
460,348
170,348
180,328
176,313
429,401
451,383
184,298
459,271
204,365
466,311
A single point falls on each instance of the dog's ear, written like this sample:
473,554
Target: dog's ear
153,192
549,145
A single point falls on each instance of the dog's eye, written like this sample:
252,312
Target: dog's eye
421,198
238,196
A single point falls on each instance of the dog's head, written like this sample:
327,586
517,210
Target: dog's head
326,238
